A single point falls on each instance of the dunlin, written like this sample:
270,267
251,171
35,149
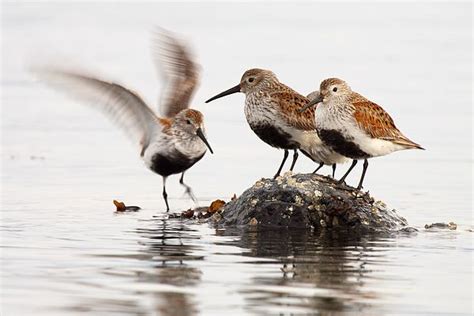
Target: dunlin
168,145
311,96
273,112
354,126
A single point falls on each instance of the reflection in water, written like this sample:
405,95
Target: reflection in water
175,267
322,273
306,271
169,256
155,277
185,268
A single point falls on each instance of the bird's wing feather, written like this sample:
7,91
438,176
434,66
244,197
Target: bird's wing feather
179,72
290,102
377,123
122,106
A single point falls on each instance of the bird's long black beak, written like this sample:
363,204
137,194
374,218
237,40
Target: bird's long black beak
227,92
200,134
311,103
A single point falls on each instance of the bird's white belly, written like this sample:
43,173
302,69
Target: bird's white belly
375,147
312,145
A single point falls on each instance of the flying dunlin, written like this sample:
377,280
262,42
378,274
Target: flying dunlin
273,113
168,145
354,126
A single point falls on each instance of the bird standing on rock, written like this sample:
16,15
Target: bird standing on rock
354,126
311,96
168,145
273,113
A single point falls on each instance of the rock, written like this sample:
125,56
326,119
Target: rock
408,230
450,225
310,202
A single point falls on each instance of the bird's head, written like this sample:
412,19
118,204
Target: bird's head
329,90
191,122
252,80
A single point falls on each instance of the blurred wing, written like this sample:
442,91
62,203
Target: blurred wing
290,102
178,71
122,106
377,123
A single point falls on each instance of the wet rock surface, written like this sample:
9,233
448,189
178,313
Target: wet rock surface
450,226
308,201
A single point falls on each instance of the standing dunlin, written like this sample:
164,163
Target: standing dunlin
311,96
354,126
273,112
168,145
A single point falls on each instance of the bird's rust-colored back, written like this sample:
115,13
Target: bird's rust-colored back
165,124
377,123
289,103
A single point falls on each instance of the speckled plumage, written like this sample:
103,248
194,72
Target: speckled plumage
354,126
358,118
168,145
272,110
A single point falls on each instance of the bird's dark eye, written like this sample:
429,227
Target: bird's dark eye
251,79
334,89
188,121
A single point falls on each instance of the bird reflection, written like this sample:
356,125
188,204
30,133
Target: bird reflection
327,273
169,248
332,266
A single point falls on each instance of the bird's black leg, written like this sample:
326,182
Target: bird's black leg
295,157
165,195
364,170
354,162
285,155
333,170
319,167
189,191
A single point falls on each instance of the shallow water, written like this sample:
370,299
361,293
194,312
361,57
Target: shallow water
64,250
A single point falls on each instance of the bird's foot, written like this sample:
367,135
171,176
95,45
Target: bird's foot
361,194
343,185
189,192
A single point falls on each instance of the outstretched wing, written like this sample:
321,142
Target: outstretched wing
377,123
122,106
178,70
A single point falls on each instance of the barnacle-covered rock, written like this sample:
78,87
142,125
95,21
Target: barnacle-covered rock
311,202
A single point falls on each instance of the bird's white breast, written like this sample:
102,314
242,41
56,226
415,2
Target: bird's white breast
258,111
311,143
333,117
